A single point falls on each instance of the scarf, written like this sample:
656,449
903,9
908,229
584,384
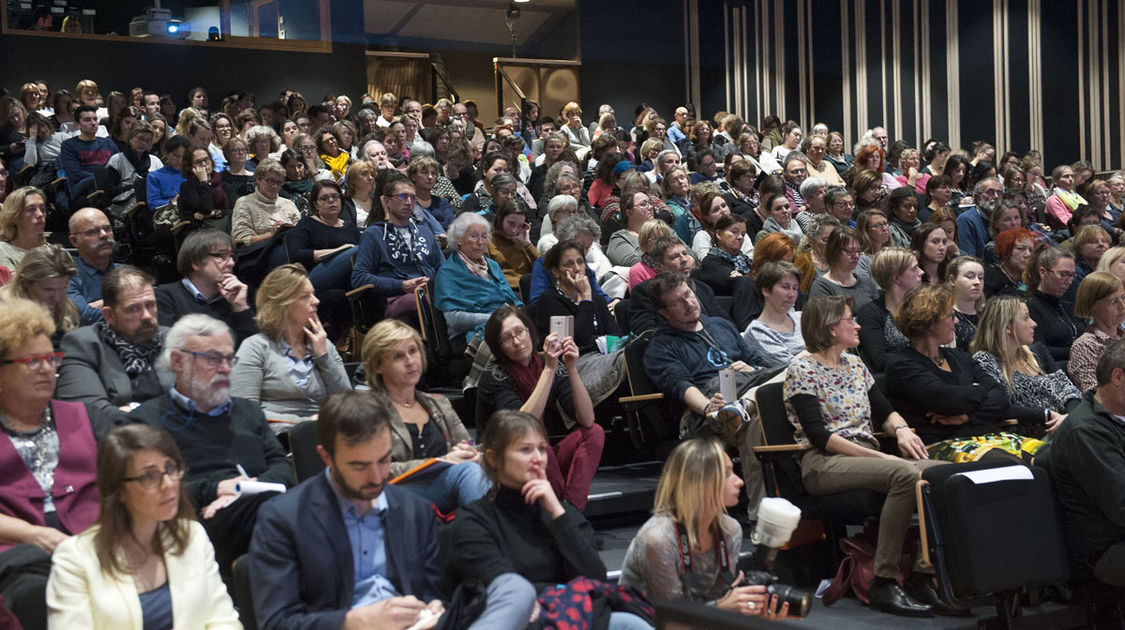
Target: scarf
136,359
477,269
793,231
338,165
740,261
1071,199
525,377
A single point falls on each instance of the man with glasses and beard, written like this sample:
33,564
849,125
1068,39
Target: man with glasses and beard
225,441
345,549
972,224
111,365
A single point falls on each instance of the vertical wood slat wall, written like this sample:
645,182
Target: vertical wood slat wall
1021,74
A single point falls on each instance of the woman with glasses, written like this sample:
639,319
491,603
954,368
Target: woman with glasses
259,215
202,197
47,459
264,142
42,276
874,230
1101,300
624,247
146,562
289,367
469,286
238,179
1049,276
548,387
323,241
842,254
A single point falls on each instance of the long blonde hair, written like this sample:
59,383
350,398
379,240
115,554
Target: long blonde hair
691,485
998,315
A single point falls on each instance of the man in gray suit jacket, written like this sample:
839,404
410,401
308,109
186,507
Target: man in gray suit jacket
111,365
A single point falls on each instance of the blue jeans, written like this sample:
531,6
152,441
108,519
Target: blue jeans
457,485
334,273
511,598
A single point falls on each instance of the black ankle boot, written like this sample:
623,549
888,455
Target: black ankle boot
923,589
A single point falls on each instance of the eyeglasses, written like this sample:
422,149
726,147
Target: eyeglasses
332,197
516,334
38,361
878,226
476,236
404,197
97,230
273,182
152,477
992,192
221,256
201,161
1116,301
308,149
799,171
212,359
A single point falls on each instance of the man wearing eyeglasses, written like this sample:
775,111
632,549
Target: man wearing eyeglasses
209,286
221,437
972,224
111,365
92,234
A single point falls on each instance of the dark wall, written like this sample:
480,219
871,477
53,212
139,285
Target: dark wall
176,68
631,53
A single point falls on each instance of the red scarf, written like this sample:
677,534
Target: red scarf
525,377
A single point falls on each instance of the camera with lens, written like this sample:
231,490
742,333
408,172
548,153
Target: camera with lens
777,518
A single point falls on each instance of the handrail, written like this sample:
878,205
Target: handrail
439,74
498,73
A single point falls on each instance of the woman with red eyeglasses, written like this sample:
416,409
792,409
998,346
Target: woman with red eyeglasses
47,459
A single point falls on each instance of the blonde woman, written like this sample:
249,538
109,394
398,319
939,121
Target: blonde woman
23,218
42,276
289,367
1005,347
697,486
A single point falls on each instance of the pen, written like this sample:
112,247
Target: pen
242,471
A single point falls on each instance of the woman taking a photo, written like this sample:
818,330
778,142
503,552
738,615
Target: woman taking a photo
146,562
289,367
966,275
1101,300
423,426
1005,347
523,537
896,271
950,401
549,388
842,255
696,487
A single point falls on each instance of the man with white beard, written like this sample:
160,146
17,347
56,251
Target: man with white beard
972,224
226,441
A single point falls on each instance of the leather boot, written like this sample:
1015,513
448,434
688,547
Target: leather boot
892,599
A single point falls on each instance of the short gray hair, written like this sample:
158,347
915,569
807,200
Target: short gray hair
364,113
193,325
504,178
461,224
561,202
569,228
363,149
980,185
812,183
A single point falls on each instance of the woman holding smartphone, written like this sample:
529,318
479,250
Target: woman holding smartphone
549,388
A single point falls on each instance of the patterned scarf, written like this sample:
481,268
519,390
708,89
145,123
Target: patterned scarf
740,261
136,359
1071,199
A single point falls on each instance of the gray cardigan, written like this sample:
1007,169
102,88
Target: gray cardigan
262,375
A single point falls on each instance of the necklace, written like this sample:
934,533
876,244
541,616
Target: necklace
939,360
403,404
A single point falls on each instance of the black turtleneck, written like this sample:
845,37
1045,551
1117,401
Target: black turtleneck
1057,327
506,535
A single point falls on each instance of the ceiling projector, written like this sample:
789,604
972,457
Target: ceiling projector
158,22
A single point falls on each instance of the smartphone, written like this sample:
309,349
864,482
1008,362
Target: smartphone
563,326
726,385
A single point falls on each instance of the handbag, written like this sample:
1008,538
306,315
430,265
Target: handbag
857,569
